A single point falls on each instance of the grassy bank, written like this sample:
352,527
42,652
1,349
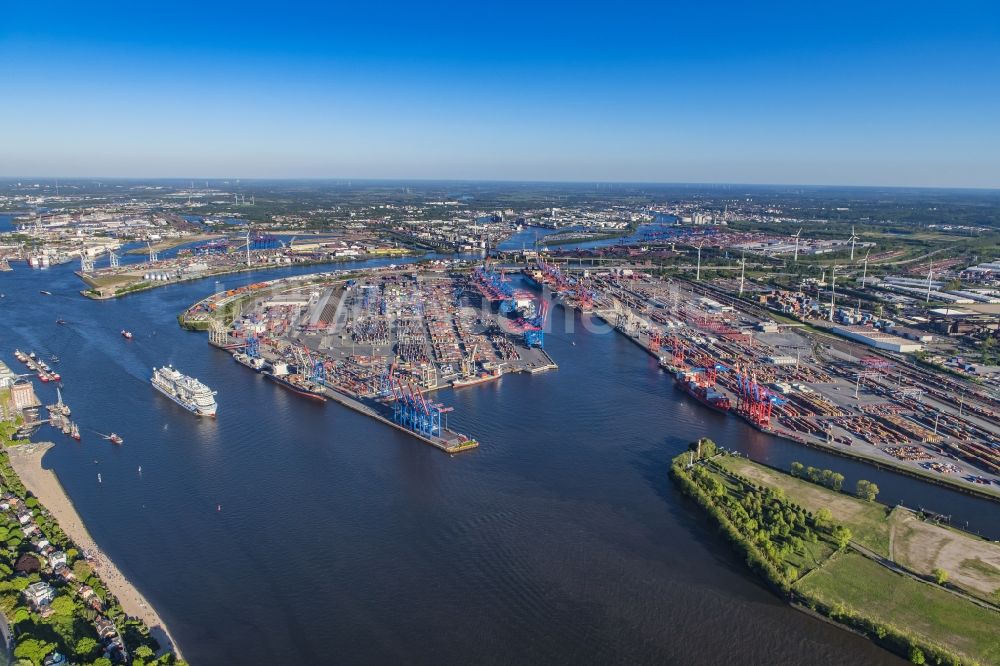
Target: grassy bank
833,553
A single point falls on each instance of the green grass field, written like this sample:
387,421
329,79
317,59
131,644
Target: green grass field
865,588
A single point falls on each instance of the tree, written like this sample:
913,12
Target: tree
20,615
827,477
940,575
842,536
85,647
866,490
823,517
82,570
916,655
102,661
797,469
986,347
704,448
143,652
715,487
837,481
63,605
33,650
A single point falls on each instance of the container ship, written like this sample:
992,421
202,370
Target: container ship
532,277
253,362
688,382
295,382
186,391
478,379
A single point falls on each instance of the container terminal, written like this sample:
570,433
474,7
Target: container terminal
382,342
389,339
793,380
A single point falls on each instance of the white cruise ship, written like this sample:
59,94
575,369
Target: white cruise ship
186,391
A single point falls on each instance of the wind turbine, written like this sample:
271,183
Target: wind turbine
796,237
833,291
930,272
852,240
743,270
697,274
864,275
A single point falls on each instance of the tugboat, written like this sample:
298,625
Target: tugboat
75,432
126,334
115,438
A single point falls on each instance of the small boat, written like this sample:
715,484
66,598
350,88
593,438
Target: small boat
32,356
55,376
114,438
98,477
45,293
61,322
75,432
44,377
126,334
54,358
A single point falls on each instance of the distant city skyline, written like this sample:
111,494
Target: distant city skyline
857,94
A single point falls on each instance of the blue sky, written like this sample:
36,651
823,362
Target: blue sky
880,93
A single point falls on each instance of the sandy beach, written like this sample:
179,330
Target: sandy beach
27,462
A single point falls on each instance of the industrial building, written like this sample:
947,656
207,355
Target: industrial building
877,339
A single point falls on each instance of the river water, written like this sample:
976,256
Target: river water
289,532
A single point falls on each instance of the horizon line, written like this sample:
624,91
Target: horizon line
230,179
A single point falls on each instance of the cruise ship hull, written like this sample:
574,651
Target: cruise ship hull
194,409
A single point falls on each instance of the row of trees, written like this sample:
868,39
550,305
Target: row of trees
824,477
866,490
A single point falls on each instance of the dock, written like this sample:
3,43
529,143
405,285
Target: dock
449,441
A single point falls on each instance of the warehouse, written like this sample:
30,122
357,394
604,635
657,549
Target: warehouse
877,339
